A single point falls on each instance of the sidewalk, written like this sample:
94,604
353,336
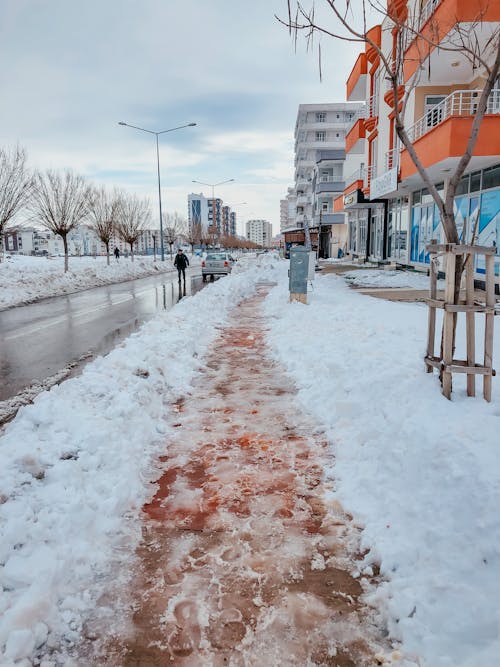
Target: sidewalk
245,559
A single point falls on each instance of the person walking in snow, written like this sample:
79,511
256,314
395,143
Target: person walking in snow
117,254
180,262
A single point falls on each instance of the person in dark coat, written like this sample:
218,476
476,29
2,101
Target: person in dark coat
117,254
181,261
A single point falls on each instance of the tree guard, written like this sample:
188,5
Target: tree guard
470,305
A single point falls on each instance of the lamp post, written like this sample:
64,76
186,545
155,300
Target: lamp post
157,134
213,186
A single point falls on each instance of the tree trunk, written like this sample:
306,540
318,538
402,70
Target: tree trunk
107,253
65,244
132,251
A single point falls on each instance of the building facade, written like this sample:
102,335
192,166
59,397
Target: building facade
259,232
391,213
320,132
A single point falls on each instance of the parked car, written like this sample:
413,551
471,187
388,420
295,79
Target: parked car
216,264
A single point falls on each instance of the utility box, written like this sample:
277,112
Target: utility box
298,273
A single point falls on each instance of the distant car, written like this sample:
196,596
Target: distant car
216,264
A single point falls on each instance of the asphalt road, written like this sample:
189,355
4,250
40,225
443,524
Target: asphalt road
38,340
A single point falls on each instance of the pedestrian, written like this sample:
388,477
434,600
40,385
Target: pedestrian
117,254
181,261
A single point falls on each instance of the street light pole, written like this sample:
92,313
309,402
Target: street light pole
157,134
213,186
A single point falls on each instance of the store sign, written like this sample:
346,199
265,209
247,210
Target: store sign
380,186
350,199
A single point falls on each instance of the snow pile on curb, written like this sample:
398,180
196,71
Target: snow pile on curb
27,279
76,466
378,278
421,473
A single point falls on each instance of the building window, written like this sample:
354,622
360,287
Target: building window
321,117
324,207
320,136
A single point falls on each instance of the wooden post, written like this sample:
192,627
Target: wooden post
488,327
448,318
470,325
431,328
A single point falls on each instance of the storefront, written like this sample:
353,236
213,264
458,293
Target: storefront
477,214
397,230
367,226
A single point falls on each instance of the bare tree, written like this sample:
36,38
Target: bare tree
15,186
194,234
59,201
134,214
411,24
212,236
103,209
174,226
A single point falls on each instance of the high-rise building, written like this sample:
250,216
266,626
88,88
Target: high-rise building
198,211
320,132
259,232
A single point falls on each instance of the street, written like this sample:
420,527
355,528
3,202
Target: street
38,340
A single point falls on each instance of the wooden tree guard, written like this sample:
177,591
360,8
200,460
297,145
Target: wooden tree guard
470,306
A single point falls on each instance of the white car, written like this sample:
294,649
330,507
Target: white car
216,264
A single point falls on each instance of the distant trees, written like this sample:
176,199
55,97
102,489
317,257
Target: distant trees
174,227
59,201
103,214
194,234
15,185
134,214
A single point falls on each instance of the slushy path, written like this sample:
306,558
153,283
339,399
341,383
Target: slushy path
244,562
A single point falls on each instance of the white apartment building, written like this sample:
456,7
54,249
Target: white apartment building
320,132
259,232
198,206
283,214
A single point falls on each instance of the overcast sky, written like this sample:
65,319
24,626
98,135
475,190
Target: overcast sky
71,69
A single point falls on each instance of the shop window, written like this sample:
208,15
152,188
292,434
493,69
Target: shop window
475,181
491,178
463,186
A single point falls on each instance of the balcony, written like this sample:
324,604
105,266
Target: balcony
441,135
329,219
438,19
329,186
356,83
372,110
355,136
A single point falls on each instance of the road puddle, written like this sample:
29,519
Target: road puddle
245,560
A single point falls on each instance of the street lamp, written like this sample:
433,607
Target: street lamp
213,186
157,134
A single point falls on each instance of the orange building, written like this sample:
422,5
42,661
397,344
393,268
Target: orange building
391,215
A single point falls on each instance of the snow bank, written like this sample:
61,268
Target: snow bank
381,278
27,279
421,473
75,469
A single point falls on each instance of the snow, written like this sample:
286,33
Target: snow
381,278
75,469
419,473
26,279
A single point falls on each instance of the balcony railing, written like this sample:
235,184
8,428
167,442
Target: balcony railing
373,106
459,103
392,158
364,174
427,11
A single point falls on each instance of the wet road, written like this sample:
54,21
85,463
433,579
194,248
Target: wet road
38,340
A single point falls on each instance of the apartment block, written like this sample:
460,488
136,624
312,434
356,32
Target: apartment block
320,133
391,214
259,232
